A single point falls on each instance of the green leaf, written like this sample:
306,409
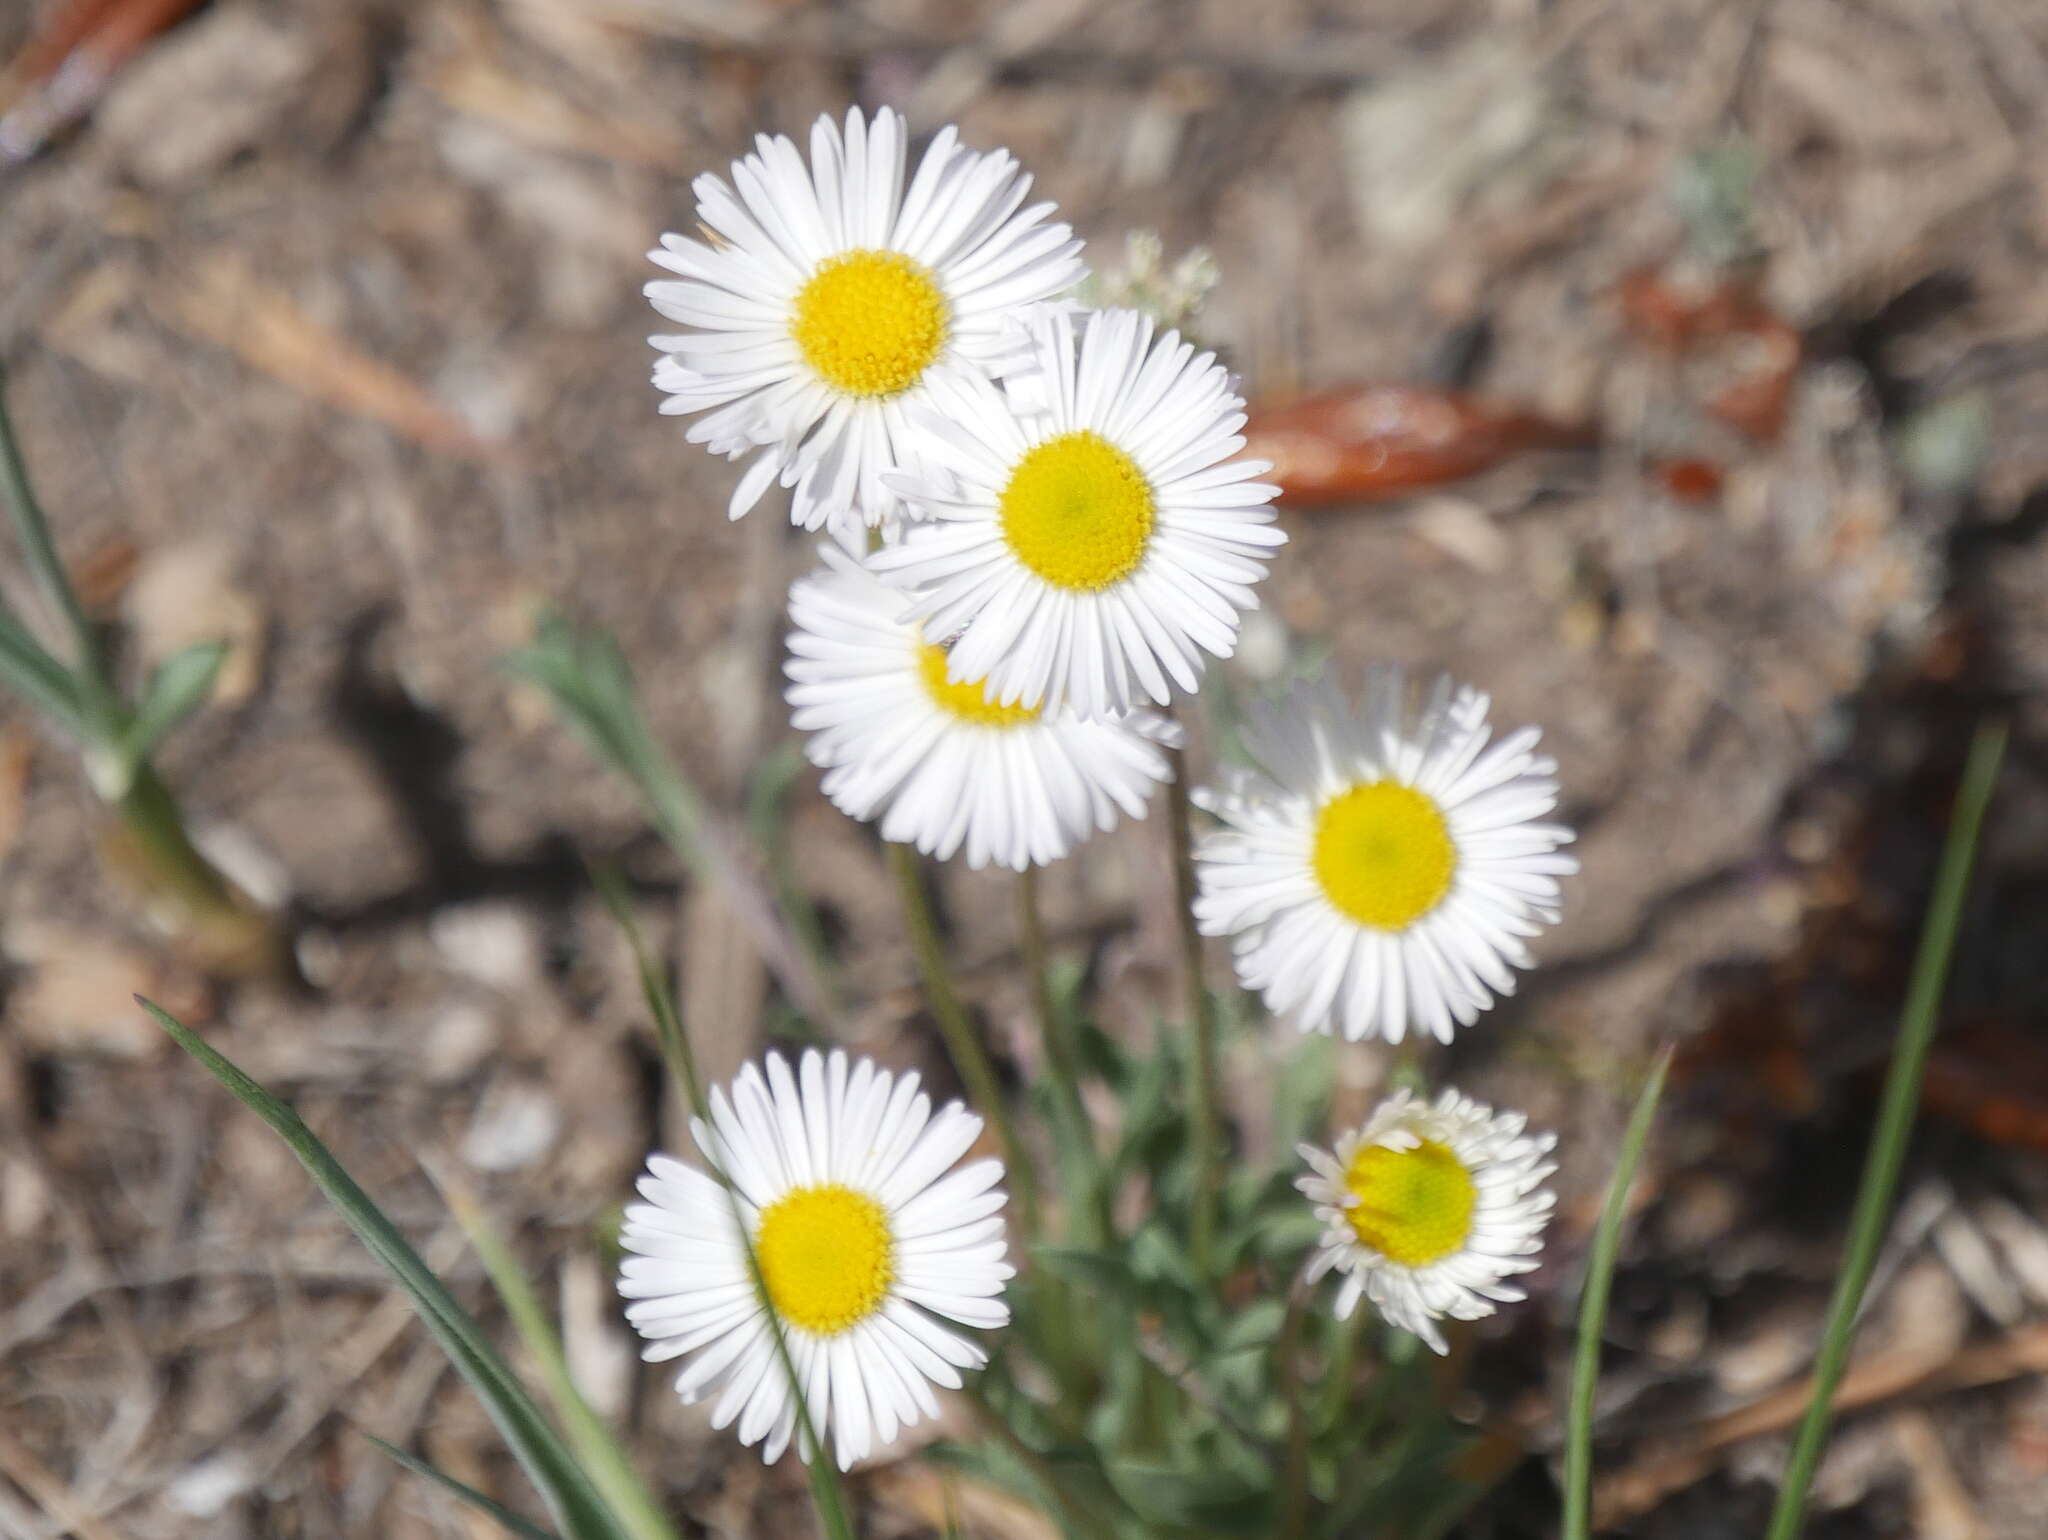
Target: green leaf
603,1457
1257,1325
1578,1451
179,687
514,1523
570,1495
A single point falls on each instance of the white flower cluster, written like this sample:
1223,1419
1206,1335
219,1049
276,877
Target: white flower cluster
1037,529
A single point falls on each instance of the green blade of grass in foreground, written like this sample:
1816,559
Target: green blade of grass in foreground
596,1445
1578,1448
1895,1118
515,1524
572,1499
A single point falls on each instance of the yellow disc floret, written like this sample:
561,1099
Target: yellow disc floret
1383,854
870,322
1078,512
969,702
826,1256
1414,1206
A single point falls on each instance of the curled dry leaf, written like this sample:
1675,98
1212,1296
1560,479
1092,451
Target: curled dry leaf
1750,353
64,68
1358,443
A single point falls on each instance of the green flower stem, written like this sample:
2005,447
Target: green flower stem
1206,1122
970,1059
1056,1029
1895,1118
659,992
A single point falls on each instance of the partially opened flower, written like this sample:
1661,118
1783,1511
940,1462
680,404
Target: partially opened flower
938,763
830,292
1428,1208
839,1173
1094,534
1379,871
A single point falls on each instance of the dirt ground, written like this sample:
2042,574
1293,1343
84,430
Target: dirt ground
325,334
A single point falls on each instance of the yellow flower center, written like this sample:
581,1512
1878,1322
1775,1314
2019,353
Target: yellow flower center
827,1257
1383,854
1414,1206
1078,511
969,702
870,322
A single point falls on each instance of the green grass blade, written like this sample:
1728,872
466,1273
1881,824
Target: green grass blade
1895,1119
587,678
571,1497
1578,1448
598,1448
40,550
515,1524
41,680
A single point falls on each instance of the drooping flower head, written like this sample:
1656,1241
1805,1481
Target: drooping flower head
1380,870
1093,534
936,761
830,293
1428,1208
841,1175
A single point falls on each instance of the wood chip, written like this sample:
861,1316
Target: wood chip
226,305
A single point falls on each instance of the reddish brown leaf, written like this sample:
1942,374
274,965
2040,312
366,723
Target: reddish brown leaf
1691,481
1728,324
1357,443
1991,1077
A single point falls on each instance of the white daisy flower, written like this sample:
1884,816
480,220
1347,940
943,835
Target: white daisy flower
839,1173
938,762
1095,535
830,292
1380,871
1429,1207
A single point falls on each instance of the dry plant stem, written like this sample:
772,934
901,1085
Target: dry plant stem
970,1059
1895,1118
1201,1006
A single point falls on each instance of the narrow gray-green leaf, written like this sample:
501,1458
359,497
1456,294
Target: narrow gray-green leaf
571,1497
40,679
513,1523
596,1445
179,686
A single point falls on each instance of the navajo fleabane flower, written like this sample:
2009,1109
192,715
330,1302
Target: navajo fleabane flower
831,294
1094,535
1379,871
839,1174
1428,1208
940,764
